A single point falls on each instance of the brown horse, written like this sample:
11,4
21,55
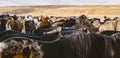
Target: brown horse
14,25
84,21
44,23
28,26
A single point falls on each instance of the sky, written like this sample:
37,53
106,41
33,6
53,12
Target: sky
57,2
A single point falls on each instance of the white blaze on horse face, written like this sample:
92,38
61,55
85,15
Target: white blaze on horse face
3,46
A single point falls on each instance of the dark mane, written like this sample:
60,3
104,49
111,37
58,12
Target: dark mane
83,45
2,24
77,44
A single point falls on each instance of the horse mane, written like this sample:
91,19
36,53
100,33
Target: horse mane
76,45
2,24
83,45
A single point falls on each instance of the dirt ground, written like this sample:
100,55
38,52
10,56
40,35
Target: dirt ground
64,10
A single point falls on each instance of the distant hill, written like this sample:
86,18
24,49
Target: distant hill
63,10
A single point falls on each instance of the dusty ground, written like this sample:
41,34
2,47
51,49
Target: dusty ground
93,10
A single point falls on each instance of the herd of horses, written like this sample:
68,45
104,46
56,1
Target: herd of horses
59,37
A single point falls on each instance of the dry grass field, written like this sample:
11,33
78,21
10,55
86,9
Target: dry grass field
63,10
